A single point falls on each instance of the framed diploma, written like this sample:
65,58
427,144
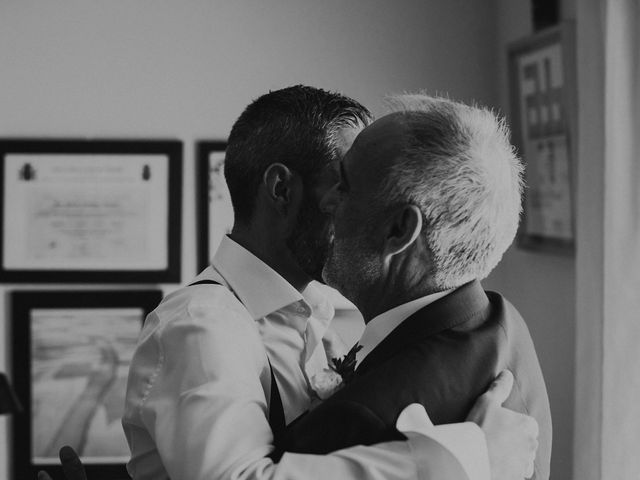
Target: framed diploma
542,84
90,211
213,202
71,355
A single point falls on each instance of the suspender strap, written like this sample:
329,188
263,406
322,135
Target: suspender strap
276,418
276,410
204,282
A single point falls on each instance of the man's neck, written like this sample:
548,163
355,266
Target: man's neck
403,278
390,292
272,252
371,306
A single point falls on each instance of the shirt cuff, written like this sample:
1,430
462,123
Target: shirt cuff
464,441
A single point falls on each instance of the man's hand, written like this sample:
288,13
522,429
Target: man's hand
512,438
71,464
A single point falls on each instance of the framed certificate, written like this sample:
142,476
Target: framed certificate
71,355
90,211
542,81
213,202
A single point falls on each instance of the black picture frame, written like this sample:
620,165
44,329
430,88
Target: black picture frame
546,142
207,227
127,152
61,353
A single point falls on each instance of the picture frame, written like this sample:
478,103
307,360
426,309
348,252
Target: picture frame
70,358
214,212
90,211
542,84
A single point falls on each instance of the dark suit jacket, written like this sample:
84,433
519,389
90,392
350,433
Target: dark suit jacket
444,356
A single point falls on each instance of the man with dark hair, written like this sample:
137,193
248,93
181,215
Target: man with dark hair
308,130
224,363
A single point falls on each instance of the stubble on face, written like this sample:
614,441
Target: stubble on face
354,264
310,239
351,267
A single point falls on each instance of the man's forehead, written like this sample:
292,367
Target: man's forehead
383,140
390,128
345,138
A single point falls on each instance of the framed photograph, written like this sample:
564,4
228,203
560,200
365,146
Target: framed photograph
71,356
90,211
213,202
543,119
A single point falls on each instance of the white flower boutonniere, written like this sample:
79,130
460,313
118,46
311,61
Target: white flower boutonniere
326,383
330,380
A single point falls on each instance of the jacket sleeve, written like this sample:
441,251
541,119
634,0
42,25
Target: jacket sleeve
336,425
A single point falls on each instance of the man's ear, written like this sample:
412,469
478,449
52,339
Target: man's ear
282,187
403,229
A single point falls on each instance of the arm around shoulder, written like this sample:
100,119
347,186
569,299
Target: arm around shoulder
200,412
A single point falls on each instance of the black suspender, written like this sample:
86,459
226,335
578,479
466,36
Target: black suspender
204,282
276,410
276,417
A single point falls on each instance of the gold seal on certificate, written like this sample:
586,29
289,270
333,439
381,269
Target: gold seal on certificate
88,209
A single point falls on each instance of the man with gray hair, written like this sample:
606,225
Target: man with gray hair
428,201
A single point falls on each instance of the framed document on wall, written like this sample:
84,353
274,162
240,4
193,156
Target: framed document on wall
90,211
543,84
71,355
213,202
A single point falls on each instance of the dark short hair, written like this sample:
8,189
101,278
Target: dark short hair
295,126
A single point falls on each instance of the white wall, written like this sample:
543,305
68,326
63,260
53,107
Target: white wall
151,68
607,414
541,286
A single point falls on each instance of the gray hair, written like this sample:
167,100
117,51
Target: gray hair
460,169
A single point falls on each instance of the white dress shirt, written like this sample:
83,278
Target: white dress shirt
291,324
199,384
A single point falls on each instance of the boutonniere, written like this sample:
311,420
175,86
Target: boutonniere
330,380
346,366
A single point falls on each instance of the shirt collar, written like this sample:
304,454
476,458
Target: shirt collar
260,288
381,326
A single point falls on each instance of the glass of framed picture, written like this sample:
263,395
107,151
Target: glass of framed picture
90,211
213,202
71,355
543,120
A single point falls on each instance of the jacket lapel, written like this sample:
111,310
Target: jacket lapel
467,304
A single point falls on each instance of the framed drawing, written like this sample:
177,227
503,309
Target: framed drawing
543,119
213,202
90,211
71,353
